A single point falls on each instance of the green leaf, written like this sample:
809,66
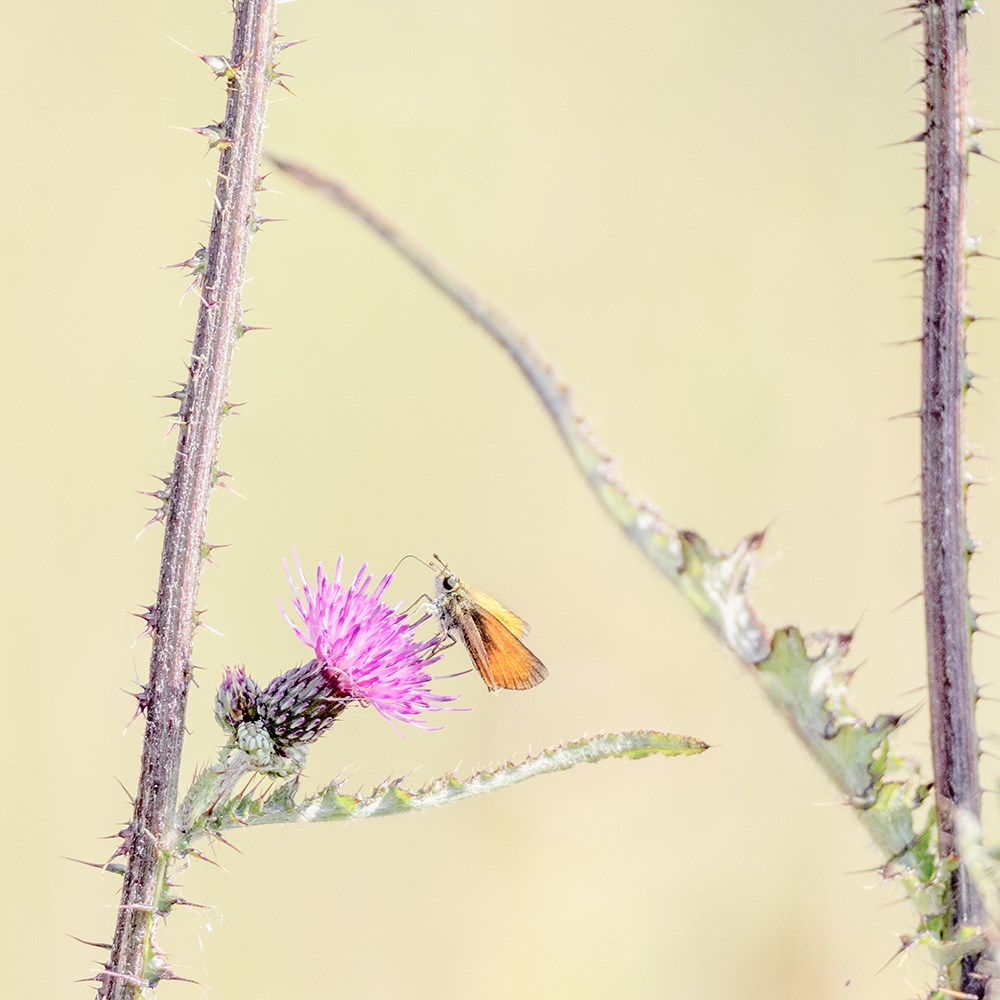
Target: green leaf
803,680
392,798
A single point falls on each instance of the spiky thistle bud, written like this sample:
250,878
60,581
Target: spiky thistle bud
237,699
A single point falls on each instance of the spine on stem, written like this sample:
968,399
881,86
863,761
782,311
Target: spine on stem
947,546
135,966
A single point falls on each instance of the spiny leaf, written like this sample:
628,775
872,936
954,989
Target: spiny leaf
811,692
392,798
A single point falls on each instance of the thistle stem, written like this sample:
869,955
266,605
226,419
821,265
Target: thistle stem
947,548
134,964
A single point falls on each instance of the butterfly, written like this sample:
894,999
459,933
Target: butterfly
491,634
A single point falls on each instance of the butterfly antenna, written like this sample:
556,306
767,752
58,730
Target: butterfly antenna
410,555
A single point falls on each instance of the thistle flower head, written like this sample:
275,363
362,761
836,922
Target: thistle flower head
365,649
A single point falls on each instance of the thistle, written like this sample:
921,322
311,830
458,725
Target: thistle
366,653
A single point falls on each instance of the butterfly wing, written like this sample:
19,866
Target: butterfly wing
503,661
518,626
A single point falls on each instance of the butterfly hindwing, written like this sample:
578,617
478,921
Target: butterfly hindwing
508,662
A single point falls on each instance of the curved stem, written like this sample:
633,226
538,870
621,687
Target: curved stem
134,964
720,601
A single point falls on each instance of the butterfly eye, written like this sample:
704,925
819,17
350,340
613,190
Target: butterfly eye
449,583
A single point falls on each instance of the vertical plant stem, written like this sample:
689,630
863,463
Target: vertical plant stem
135,965
947,546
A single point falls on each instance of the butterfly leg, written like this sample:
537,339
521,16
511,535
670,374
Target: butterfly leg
426,598
445,641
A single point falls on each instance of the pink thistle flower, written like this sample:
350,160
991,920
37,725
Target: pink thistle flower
364,648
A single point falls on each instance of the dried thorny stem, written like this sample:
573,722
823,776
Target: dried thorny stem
135,964
947,546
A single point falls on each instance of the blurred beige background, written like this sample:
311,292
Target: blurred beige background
683,204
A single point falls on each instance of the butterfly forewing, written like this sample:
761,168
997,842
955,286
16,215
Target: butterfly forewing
508,662
518,626
490,632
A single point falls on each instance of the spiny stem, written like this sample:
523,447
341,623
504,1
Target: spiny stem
947,547
134,963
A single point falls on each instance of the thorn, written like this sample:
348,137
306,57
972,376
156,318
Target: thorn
219,65
904,416
123,848
158,516
259,221
207,549
105,867
204,857
218,836
150,617
178,394
196,264
972,244
168,974
181,901
919,137
919,593
913,24
281,46
905,496
198,623
124,789
156,494
976,150
904,946
215,133
92,944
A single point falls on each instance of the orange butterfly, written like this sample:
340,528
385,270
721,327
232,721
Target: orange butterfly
491,634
